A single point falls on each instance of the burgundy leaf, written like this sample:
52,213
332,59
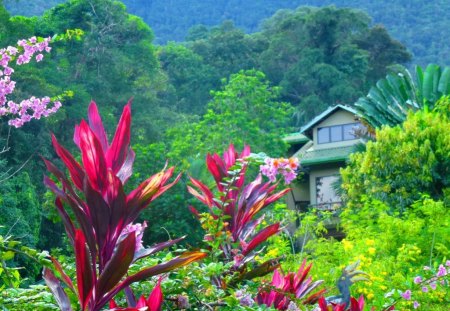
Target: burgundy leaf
155,248
75,170
100,216
155,300
68,224
118,150
277,196
261,237
96,124
182,260
58,292
127,168
117,266
85,275
64,276
93,157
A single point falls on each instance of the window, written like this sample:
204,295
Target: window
331,134
324,190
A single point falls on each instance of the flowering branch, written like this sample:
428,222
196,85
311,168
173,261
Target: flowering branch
33,107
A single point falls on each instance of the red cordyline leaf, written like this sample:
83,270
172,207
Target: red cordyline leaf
96,124
286,286
75,170
262,236
152,303
85,277
355,305
118,151
58,292
93,158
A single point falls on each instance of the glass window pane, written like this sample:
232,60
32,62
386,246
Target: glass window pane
336,133
349,130
325,191
323,135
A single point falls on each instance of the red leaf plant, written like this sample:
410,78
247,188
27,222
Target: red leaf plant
152,303
104,247
355,305
284,289
238,204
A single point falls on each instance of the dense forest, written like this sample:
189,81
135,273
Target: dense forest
227,77
421,26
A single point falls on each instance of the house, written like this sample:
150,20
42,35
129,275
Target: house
322,147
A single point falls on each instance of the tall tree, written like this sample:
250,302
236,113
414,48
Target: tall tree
313,55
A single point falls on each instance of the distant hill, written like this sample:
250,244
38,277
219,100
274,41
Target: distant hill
423,26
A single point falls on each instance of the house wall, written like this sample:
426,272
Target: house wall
320,172
300,191
337,118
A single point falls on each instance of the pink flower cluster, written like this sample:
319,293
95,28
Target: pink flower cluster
138,230
431,283
285,167
32,108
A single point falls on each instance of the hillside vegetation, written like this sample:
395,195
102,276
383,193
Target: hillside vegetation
421,25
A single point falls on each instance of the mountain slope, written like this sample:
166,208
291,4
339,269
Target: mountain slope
421,25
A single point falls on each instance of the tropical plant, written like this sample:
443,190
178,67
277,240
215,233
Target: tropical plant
355,305
286,289
152,303
99,225
389,101
423,168
233,219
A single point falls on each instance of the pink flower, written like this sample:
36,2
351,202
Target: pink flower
417,279
424,289
285,167
447,263
406,295
441,271
416,304
39,57
433,285
138,230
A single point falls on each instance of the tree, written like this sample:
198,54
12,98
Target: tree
404,163
314,56
190,78
245,111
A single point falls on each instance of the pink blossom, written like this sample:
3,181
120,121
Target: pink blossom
32,108
447,263
441,271
417,279
406,295
285,167
433,285
138,230
416,304
425,289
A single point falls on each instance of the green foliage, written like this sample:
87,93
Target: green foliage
390,100
190,78
405,162
245,111
323,57
392,250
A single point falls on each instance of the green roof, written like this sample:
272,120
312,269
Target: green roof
328,155
293,138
